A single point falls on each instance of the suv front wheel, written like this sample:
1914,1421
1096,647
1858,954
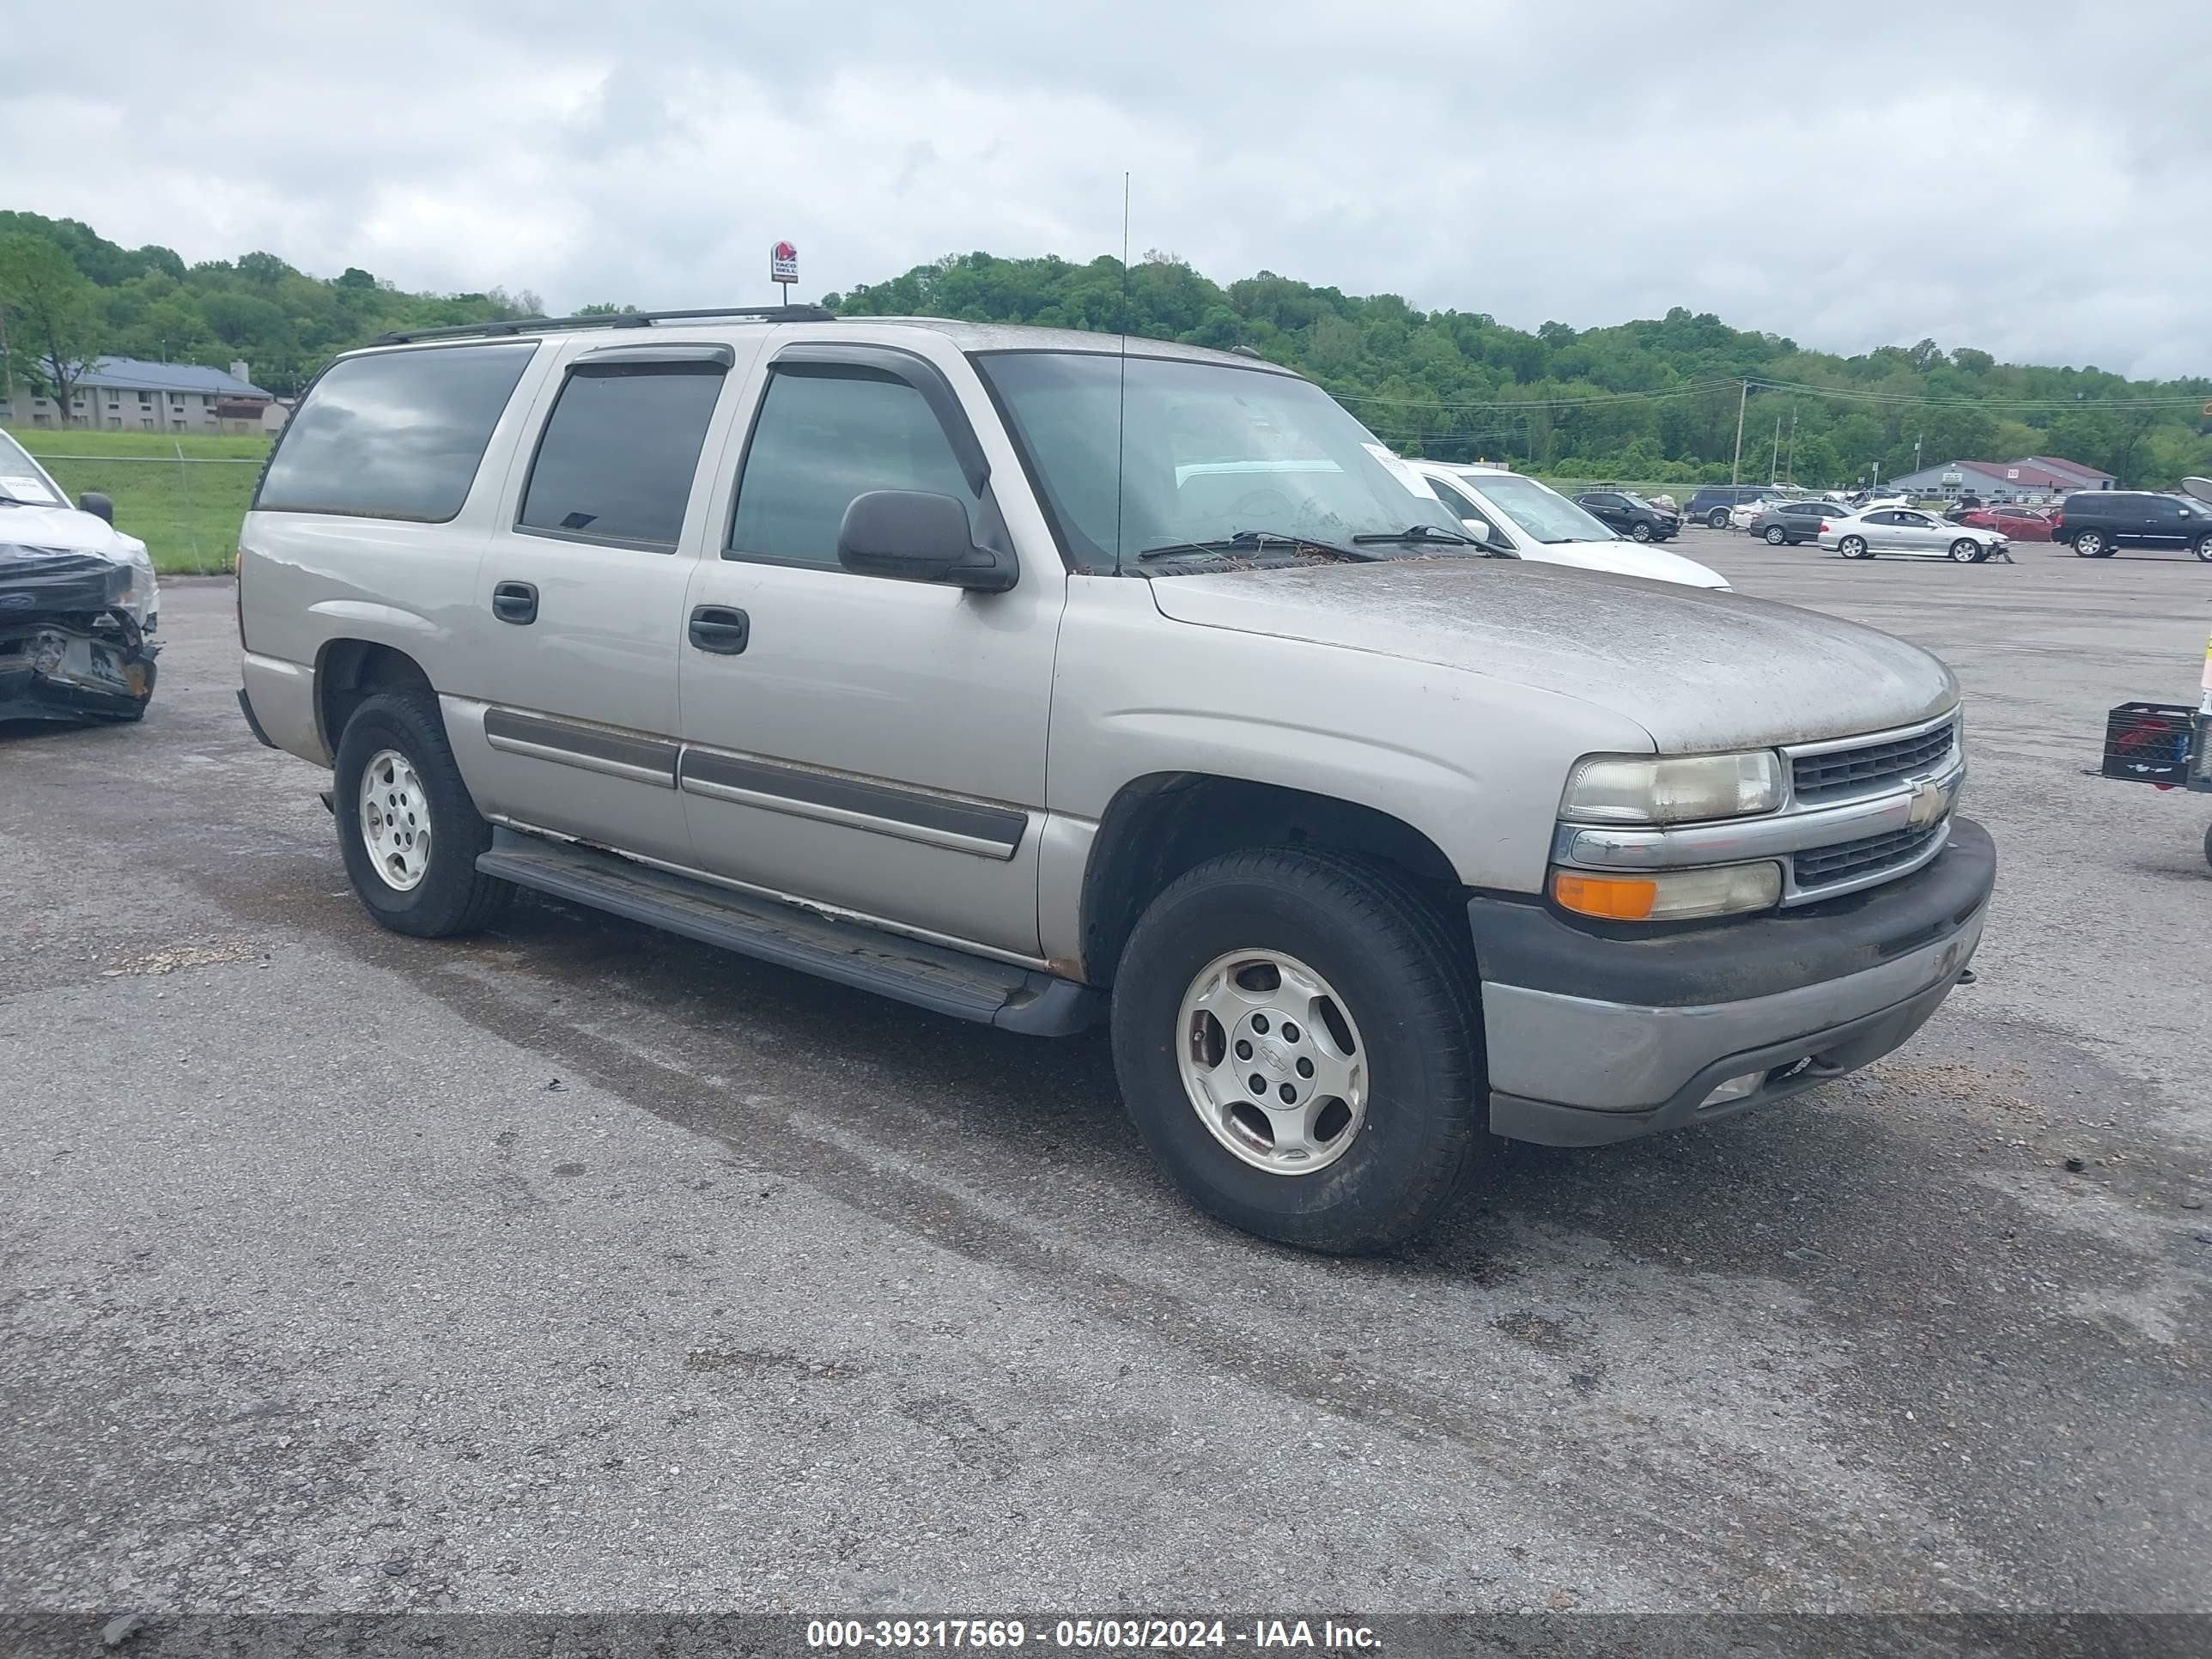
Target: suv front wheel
1298,1042
408,829
2203,549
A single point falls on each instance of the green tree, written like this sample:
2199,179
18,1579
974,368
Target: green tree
52,327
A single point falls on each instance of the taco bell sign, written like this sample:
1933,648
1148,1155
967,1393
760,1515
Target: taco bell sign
783,266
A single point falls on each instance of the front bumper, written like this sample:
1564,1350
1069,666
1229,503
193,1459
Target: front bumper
1593,1038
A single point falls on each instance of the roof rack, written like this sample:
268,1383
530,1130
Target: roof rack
606,319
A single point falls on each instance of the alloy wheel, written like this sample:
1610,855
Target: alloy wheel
1271,1062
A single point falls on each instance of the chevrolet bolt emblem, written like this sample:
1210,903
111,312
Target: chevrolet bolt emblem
1929,800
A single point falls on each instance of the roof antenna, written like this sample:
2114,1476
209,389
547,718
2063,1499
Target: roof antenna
1121,408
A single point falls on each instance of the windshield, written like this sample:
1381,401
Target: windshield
1538,510
1204,451
23,479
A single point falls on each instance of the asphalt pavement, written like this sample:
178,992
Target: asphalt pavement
578,1267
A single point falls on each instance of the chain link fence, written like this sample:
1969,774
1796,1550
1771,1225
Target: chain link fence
186,508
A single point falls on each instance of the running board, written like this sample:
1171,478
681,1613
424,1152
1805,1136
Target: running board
932,976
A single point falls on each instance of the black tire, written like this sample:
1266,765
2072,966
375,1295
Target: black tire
1775,535
1854,547
2091,544
1409,988
1641,532
451,898
2203,549
1967,550
1718,519
2208,843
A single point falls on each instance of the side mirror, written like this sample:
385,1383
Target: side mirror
912,536
1484,535
98,505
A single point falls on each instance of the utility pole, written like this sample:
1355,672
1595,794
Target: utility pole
1774,455
1793,443
1735,470
1915,451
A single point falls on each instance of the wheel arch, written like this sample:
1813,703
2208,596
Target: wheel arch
348,672
1158,827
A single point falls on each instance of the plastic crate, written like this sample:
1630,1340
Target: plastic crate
2149,741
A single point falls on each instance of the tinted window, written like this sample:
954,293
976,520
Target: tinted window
617,459
820,440
396,436
1451,498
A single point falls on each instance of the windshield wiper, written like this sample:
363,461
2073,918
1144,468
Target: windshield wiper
1420,532
1254,541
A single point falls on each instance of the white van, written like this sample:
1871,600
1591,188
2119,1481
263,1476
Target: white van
1515,514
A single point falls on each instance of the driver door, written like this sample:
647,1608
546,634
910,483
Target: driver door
873,744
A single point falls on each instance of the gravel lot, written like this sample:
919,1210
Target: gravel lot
581,1268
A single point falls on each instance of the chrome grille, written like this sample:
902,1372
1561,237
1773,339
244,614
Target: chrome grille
1839,772
1849,861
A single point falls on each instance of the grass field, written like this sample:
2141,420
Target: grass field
186,510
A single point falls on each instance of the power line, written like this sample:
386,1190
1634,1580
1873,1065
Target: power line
1851,394
1930,399
1544,403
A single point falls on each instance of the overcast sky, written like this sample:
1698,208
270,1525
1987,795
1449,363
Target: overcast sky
2034,179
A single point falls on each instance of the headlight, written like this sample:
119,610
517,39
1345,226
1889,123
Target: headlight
1681,789
1669,896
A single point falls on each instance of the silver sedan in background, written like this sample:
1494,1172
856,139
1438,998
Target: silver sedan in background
1910,532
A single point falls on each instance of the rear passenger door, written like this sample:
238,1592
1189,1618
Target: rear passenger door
580,597
870,743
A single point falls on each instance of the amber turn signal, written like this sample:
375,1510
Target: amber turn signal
1669,895
1615,898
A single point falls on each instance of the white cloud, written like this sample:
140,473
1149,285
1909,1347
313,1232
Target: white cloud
1876,176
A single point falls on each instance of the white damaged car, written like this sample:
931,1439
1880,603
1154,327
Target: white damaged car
1514,516
79,604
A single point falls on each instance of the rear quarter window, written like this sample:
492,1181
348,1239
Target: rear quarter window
396,436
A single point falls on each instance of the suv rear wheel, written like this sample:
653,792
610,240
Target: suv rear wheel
407,827
2092,544
1718,519
1298,1041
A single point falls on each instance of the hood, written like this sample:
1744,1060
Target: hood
1625,559
1696,668
65,529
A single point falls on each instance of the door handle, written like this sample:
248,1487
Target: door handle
515,602
719,629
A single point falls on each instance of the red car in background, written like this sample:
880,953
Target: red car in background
2015,523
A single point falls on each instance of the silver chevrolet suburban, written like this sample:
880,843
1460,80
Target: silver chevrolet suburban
1042,678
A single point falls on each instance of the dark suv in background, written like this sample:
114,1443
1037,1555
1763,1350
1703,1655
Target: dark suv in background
1710,504
1791,522
1629,515
2097,523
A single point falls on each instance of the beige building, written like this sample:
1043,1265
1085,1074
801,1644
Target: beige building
127,394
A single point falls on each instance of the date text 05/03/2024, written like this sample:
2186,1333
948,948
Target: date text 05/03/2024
1121,1633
